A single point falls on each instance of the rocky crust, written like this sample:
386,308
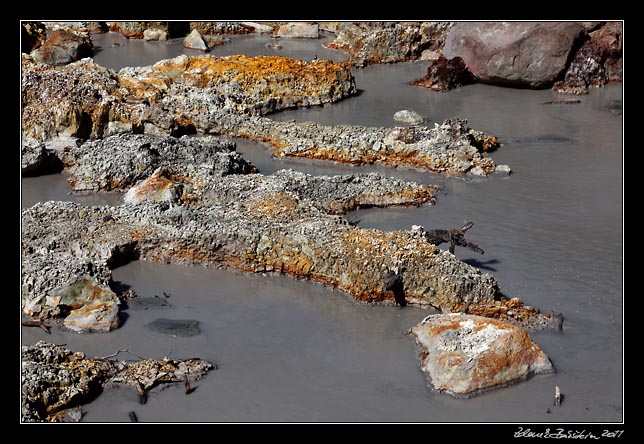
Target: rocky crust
389,42
229,96
464,355
56,382
264,232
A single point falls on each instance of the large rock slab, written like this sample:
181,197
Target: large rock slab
525,54
269,232
464,355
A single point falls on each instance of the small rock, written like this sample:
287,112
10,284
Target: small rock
503,169
175,327
155,34
466,354
194,40
214,40
429,55
408,117
477,171
302,30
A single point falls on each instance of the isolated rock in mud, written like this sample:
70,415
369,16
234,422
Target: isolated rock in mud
463,355
175,327
62,47
87,305
194,40
56,382
153,34
445,74
409,117
388,42
300,30
524,54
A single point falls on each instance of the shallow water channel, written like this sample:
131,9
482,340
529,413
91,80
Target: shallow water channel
291,350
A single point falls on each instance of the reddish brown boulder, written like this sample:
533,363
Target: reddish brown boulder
445,74
62,47
597,61
522,54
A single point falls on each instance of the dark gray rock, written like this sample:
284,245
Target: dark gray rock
525,54
175,327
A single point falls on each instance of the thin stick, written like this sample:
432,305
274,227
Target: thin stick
121,351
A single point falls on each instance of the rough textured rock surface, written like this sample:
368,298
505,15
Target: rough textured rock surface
266,232
445,74
299,30
597,61
216,95
409,117
173,96
206,28
87,305
36,160
450,148
62,47
56,381
118,162
83,27
526,54
332,194
463,355
388,42
194,40
135,30
154,34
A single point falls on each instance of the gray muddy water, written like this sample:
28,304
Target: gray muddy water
291,350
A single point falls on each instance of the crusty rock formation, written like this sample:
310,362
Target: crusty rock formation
388,42
229,95
56,382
